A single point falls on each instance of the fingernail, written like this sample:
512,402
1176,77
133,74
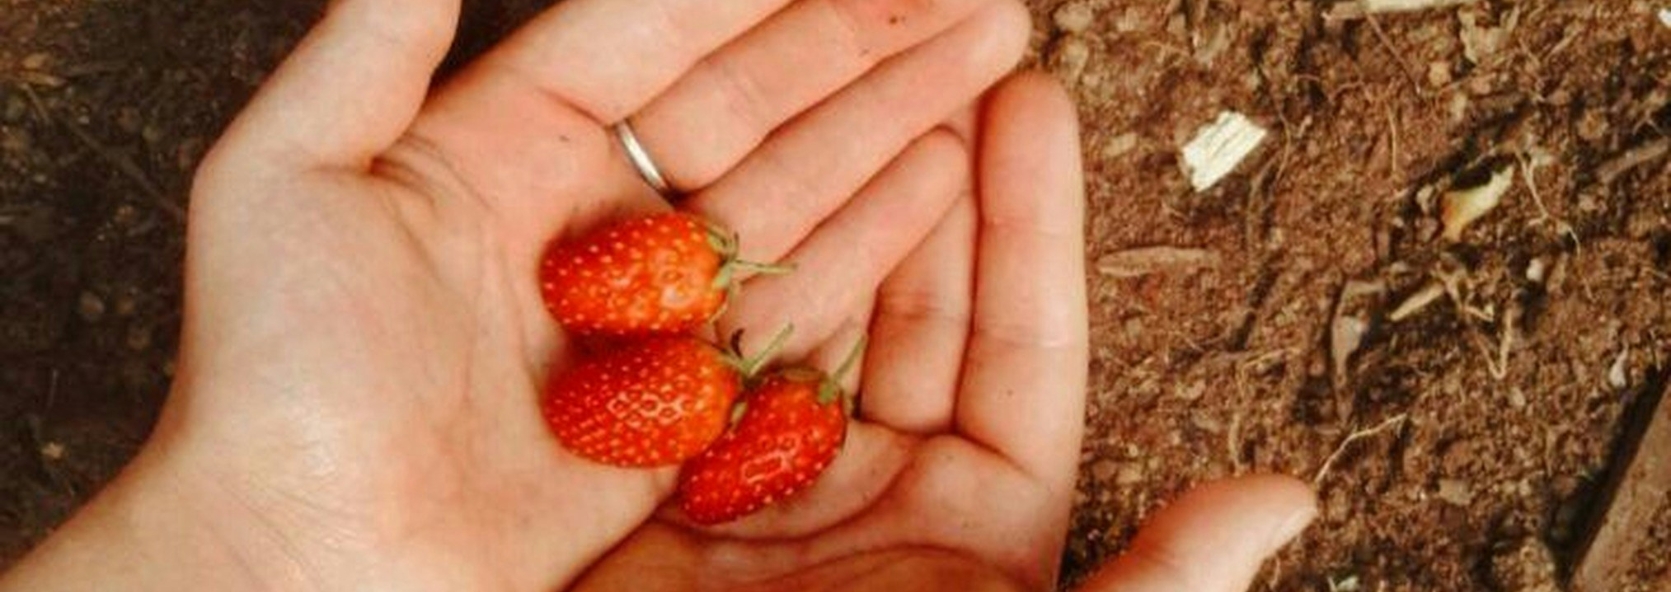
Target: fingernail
1292,527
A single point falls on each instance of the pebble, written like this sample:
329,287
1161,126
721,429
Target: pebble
35,61
90,307
139,337
1074,17
1128,475
1103,470
53,451
1119,146
1456,492
1527,566
1069,60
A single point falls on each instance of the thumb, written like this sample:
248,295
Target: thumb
350,88
1213,539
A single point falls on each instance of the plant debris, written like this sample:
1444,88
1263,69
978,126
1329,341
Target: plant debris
1150,260
1417,301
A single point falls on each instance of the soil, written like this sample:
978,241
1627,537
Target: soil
1463,446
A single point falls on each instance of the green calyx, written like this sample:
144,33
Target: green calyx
725,244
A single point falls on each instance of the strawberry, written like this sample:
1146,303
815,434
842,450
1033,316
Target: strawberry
792,426
661,274
649,403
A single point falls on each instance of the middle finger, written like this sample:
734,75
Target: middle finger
727,103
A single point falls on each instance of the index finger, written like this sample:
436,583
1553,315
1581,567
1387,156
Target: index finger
1023,391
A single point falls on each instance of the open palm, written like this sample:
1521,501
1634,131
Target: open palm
364,329
959,473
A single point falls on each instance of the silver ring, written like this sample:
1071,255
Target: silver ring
640,159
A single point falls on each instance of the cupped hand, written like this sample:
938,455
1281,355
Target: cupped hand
959,472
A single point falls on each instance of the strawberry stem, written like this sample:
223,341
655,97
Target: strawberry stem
831,387
763,268
749,367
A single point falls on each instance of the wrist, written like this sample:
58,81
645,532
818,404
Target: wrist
157,526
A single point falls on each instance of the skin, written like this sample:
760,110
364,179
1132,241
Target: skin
356,402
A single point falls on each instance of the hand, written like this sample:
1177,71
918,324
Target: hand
356,401
959,473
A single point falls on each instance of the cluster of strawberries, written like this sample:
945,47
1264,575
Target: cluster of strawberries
659,395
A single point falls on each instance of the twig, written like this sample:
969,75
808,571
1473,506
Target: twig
1403,64
1528,172
1354,437
1635,157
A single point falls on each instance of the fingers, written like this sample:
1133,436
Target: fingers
350,88
1213,539
1023,391
841,264
724,106
921,328
608,58
812,165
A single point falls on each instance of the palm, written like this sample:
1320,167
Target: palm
958,470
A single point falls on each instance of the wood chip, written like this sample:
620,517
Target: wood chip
1357,10
1460,208
1638,490
1150,260
1218,147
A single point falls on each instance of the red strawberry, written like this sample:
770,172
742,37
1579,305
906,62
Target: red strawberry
646,404
791,428
661,274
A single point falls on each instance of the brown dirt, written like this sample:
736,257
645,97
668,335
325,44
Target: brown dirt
1488,482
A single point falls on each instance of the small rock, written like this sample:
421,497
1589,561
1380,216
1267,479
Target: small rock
1618,374
1103,470
1439,73
90,307
1456,492
129,120
1074,17
126,304
1527,566
1069,59
1119,146
35,61
1345,337
53,451
1191,391
1129,474
1537,270
1592,125
139,337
